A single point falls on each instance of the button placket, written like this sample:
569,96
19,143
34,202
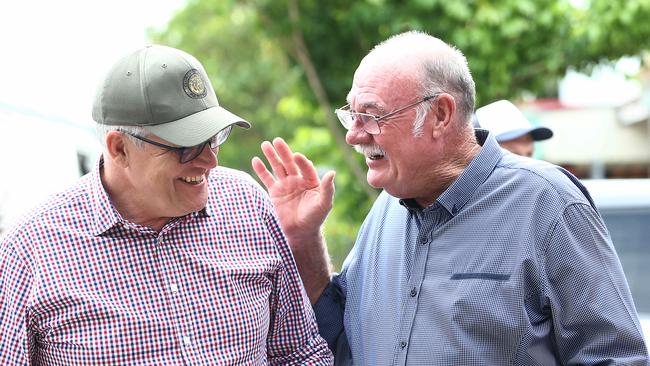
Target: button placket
172,282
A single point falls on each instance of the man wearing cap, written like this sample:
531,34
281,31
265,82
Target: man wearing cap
158,256
511,128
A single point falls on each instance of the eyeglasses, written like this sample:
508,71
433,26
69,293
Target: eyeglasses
189,153
370,122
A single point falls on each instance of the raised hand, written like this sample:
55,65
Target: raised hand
302,202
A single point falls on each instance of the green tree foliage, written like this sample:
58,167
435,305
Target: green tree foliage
285,65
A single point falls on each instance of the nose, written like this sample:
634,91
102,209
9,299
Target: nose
208,157
356,135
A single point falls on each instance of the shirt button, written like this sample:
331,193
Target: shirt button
173,288
414,292
187,341
422,240
402,344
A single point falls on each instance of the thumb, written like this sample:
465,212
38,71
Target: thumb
327,188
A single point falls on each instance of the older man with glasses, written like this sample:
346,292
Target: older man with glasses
470,255
159,256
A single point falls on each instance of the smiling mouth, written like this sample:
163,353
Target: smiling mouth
193,180
372,152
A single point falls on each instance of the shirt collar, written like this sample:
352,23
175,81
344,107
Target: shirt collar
104,213
105,216
454,198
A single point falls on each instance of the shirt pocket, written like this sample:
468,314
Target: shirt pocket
480,276
486,309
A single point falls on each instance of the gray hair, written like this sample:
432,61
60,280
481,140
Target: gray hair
444,68
129,131
421,111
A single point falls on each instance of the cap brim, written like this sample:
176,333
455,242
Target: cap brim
541,133
198,127
538,134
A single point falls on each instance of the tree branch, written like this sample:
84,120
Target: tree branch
301,54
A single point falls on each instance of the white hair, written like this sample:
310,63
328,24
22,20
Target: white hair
421,111
129,131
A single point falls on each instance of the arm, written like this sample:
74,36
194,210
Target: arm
594,318
293,337
302,203
16,341
329,310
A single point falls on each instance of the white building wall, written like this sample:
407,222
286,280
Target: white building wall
592,135
38,157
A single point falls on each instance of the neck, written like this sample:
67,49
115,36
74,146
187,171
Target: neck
458,151
125,199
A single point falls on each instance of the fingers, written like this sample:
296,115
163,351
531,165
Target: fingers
309,173
327,189
260,169
284,163
280,158
274,159
286,156
307,169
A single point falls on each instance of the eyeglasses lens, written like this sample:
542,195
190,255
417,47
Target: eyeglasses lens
192,152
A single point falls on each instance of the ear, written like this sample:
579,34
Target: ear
117,149
442,112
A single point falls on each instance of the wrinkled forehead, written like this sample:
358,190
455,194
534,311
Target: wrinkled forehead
388,82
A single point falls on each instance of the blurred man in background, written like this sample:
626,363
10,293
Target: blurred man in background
511,128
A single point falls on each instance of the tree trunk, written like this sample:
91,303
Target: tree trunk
302,55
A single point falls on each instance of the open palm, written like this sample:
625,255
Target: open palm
302,200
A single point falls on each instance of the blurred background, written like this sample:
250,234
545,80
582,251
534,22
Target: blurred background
578,67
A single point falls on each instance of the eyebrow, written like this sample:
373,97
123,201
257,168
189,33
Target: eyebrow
374,105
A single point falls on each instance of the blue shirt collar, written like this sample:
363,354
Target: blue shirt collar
454,198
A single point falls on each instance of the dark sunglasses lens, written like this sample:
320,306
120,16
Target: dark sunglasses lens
190,153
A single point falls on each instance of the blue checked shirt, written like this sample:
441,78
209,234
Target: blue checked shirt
510,266
80,285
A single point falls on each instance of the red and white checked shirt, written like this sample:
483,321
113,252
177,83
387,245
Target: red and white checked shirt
79,285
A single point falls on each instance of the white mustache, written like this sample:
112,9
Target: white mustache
369,150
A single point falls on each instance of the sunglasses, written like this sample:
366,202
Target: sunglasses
189,153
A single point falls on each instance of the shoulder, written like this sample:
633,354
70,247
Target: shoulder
237,187
233,179
64,203
39,224
385,206
384,202
539,179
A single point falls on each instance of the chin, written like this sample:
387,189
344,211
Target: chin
197,207
374,181
374,185
186,207
396,190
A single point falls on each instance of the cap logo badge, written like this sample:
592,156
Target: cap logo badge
193,85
